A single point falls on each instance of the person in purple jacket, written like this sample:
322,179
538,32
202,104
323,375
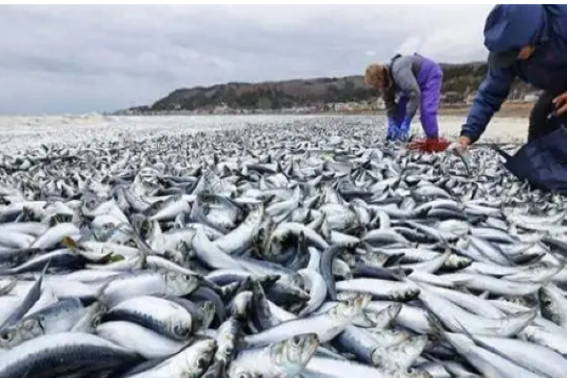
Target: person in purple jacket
417,80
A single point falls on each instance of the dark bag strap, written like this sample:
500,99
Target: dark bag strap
393,60
501,152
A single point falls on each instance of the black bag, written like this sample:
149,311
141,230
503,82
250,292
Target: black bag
541,162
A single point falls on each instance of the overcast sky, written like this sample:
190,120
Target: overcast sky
68,59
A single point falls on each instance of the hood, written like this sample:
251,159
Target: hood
513,26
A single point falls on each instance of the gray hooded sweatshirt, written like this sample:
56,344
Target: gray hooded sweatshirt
403,73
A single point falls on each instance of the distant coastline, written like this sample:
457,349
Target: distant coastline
508,110
324,95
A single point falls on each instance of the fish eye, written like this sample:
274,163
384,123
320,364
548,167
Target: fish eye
202,363
547,303
186,277
228,350
181,331
97,320
7,336
296,341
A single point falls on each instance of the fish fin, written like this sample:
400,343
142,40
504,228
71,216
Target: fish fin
394,259
436,324
43,271
100,297
226,292
56,219
34,292
484,295
402,274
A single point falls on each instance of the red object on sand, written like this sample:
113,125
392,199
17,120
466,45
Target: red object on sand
429,145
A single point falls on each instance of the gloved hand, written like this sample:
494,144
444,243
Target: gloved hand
404,130
393,129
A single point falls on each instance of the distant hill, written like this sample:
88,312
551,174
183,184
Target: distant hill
461,79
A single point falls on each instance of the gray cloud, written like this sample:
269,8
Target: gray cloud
94,58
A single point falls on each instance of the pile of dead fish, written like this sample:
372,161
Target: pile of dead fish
305,251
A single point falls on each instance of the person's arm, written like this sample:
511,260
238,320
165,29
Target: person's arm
407,83
389,97
491,94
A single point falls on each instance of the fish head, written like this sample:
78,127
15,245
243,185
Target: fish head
94,315
394,310
264,231
387,316
229,334
90,202
294,281
207,310
293,354
240,304
391,369
215,370
176,256
351,307
180,284
197,358
27,329
180,325
399,355
392,336
104,223
415,373
413,345
548,305
364,320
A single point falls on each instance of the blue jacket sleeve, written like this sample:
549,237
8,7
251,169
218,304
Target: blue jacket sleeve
491,94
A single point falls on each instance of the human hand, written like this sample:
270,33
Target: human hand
560,103
404,130
393,130
461,145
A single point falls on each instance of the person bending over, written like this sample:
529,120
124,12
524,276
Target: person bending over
527,41
417,81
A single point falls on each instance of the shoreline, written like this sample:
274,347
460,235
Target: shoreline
508,110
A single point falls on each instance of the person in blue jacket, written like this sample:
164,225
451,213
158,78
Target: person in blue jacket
529,42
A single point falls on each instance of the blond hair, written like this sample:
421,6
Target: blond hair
375,75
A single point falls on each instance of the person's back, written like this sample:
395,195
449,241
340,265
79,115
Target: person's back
547,69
